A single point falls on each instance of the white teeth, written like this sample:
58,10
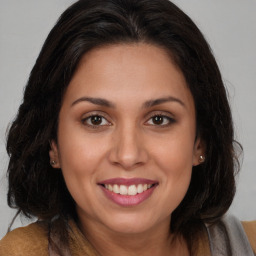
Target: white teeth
140,188
116,189
123,190
128,190
132,190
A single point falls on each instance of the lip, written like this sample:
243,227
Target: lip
128,182
127,200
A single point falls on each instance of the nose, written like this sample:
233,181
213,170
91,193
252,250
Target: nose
128,150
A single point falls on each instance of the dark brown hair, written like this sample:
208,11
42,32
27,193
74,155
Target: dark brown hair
36,189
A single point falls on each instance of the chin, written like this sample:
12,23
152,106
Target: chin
130,223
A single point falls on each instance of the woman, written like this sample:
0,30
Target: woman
124,143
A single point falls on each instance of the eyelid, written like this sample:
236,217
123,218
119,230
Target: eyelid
87,116
164,114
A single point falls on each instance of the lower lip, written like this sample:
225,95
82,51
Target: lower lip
125,200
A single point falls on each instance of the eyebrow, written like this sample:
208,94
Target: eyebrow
147,104
96,101
154,102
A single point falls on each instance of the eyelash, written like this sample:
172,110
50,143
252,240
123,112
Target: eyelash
84,121
166,118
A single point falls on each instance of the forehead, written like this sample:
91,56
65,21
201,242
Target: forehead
119,71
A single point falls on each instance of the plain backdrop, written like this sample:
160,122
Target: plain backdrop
228,25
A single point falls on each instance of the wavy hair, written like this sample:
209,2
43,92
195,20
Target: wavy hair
36,189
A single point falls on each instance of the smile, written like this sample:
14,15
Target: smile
128,190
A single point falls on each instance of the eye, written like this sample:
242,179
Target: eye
160,120
95,120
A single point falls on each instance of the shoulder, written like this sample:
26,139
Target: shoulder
30,240
250,230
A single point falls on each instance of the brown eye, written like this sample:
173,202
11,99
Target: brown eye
158,120
95,120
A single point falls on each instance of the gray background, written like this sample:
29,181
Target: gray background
230,28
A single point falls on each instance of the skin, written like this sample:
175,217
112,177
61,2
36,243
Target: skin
128,143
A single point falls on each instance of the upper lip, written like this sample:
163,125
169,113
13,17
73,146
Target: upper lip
128,181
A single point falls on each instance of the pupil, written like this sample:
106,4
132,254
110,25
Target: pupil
158,120
96,120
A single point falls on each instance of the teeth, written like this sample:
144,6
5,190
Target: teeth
140,188
116,189
128,190
132,190
123,190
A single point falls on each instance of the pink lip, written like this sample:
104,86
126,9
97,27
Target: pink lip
128,182
126,200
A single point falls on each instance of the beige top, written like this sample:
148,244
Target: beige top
33,241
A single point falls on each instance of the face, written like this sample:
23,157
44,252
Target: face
126,138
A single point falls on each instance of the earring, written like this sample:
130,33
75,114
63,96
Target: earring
201,159
52,162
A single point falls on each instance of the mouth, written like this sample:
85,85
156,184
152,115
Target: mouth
131,190
128,192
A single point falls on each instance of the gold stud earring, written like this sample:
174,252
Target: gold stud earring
201,159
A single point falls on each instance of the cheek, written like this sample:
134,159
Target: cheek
80,158
175,158
175,155
177,170
79,150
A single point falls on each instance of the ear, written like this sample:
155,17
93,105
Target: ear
199,152
54,155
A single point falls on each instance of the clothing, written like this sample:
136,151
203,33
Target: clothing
33,241
228,237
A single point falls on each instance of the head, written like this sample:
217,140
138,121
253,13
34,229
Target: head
38,189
